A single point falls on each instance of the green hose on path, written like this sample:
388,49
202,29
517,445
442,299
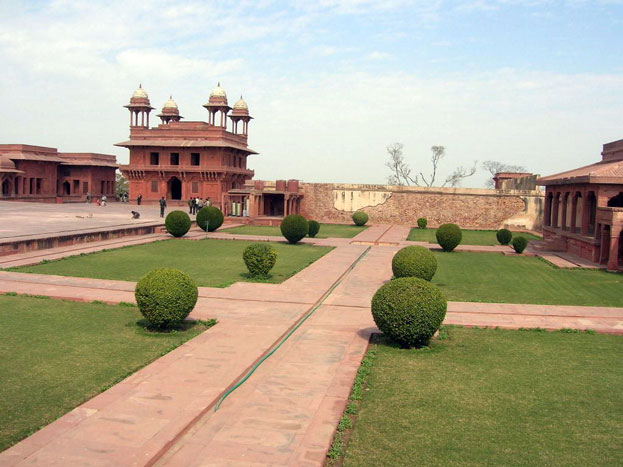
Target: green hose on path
313,310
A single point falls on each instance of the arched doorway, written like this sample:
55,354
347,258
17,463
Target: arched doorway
67,188
175,188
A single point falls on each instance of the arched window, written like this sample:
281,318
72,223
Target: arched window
616,201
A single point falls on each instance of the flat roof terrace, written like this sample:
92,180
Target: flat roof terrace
21,220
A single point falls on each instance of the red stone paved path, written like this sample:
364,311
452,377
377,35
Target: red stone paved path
287,411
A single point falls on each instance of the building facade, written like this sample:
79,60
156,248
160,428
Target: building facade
181,160
584,209
37,173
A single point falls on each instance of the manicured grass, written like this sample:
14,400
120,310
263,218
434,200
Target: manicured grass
493,277
326,230
212,263
470,237
493,397
55,354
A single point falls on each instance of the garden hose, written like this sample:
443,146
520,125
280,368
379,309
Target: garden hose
298,325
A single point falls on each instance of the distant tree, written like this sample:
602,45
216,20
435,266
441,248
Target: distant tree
121,184
494,167
402,175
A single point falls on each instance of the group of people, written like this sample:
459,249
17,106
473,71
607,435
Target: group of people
195,204
101,201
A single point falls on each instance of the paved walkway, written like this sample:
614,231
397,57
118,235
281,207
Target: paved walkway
287,411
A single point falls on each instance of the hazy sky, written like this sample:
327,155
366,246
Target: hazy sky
330,83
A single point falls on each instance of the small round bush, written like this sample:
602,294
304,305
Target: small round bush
166,296
449,236
177,223
414,261
422,222
504,236
259,258
294,227
212,215
409,310
360,218
314,228
519,244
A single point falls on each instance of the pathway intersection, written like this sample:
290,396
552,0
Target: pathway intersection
309,334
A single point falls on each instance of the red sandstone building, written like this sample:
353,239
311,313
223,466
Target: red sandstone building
584,209
182,160
36,173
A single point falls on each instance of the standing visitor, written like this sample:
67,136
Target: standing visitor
199,204
163,204
190,206
139,199
89,197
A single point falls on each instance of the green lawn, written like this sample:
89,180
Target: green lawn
470,237
212,263
493,397
55,354
326,230
493,277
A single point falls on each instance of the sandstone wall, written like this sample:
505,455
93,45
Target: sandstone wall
467,207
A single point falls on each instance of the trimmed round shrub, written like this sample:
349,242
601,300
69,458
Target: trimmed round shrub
259,258
212,215
177,223
360,218
409,310
449,236
294,227
414,261
314,228
519,244
166,296
422,222
504,236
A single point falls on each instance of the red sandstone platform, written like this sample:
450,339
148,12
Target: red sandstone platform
287,411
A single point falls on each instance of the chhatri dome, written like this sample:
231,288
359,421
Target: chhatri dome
241,104
140,93
218,91
170,112
170,104
218,97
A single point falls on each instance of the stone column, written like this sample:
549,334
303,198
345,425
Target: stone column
613,254
586,213
574,208
565,202
555,210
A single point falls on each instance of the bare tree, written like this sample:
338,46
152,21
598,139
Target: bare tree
401,172
494,167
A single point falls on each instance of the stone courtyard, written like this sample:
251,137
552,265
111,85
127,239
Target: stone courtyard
317,323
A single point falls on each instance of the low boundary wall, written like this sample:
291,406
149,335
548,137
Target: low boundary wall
15,245
468,207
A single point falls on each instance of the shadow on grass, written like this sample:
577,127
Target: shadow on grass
146,328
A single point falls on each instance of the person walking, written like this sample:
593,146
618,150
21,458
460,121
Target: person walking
163,204
139,199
